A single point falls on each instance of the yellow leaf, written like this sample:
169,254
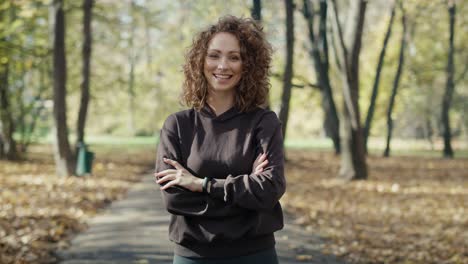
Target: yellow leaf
304,257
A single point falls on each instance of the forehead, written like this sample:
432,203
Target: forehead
224,41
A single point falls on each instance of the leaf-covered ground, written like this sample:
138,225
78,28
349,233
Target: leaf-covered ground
40,211
410,210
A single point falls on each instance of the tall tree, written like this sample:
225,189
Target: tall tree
353,159
450,84
320,58
86,56
63,156
375,87
256,11
131,71
7,122
396,81
288,71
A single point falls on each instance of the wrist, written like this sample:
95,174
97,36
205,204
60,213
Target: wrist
199,185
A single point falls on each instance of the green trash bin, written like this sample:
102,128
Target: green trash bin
84,163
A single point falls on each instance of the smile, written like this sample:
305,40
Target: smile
222,76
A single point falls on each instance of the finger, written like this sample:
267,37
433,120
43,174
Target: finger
259,160
261,157
166,178
173,163
169,184
258,171
263,164
164,172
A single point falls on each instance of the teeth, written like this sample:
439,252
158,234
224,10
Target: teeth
222,76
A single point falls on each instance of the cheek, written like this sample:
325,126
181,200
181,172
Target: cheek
207,66
238,68
207,69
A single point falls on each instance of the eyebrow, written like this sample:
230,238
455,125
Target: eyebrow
231,51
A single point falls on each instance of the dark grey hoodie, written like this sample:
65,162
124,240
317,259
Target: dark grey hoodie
242,210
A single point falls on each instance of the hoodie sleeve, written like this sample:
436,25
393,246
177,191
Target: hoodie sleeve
258,191
178,200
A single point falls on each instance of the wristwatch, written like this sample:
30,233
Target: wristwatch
206,187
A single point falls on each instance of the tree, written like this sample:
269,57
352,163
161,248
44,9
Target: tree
396,81
353,159
375,87
256,10
87,15
7,123
288,71
131,72
8,143
450,84
63,155
319,55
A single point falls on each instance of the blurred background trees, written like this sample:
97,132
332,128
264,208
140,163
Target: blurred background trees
131,80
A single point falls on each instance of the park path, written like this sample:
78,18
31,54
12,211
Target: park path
134,231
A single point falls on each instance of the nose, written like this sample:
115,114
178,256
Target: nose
222,64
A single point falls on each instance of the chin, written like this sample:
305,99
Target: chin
223,88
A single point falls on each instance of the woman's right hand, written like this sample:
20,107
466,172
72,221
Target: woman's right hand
259,164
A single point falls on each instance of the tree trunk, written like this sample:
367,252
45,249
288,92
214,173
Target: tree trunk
86,55
131,74
36,112
396,82
148,40
20,122
288,71
7,122
450,85
256,11
353,159
319,56
375,88
63,155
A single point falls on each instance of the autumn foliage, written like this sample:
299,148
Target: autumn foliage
410,210
40,212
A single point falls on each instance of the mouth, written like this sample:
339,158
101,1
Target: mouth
222,76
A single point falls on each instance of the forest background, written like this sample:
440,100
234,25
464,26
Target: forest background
352,81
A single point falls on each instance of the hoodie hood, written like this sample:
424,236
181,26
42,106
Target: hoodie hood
207,111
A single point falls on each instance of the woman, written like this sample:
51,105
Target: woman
220,163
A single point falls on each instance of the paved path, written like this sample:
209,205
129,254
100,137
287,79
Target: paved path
134,231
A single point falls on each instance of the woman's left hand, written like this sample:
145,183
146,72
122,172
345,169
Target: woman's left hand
178,176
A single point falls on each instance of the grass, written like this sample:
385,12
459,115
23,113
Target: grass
399,147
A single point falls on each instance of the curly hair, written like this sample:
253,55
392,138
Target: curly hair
254,85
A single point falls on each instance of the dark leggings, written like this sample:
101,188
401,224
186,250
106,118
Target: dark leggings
264,257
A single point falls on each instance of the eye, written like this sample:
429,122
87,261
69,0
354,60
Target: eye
235,58
213,56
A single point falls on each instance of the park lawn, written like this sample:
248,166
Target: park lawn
411,210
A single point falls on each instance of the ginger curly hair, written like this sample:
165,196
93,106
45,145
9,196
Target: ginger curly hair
254,85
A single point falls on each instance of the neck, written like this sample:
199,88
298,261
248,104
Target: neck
220,101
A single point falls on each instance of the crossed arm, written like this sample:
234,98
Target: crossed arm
259,190
179,176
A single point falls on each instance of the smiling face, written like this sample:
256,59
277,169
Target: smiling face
223,63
